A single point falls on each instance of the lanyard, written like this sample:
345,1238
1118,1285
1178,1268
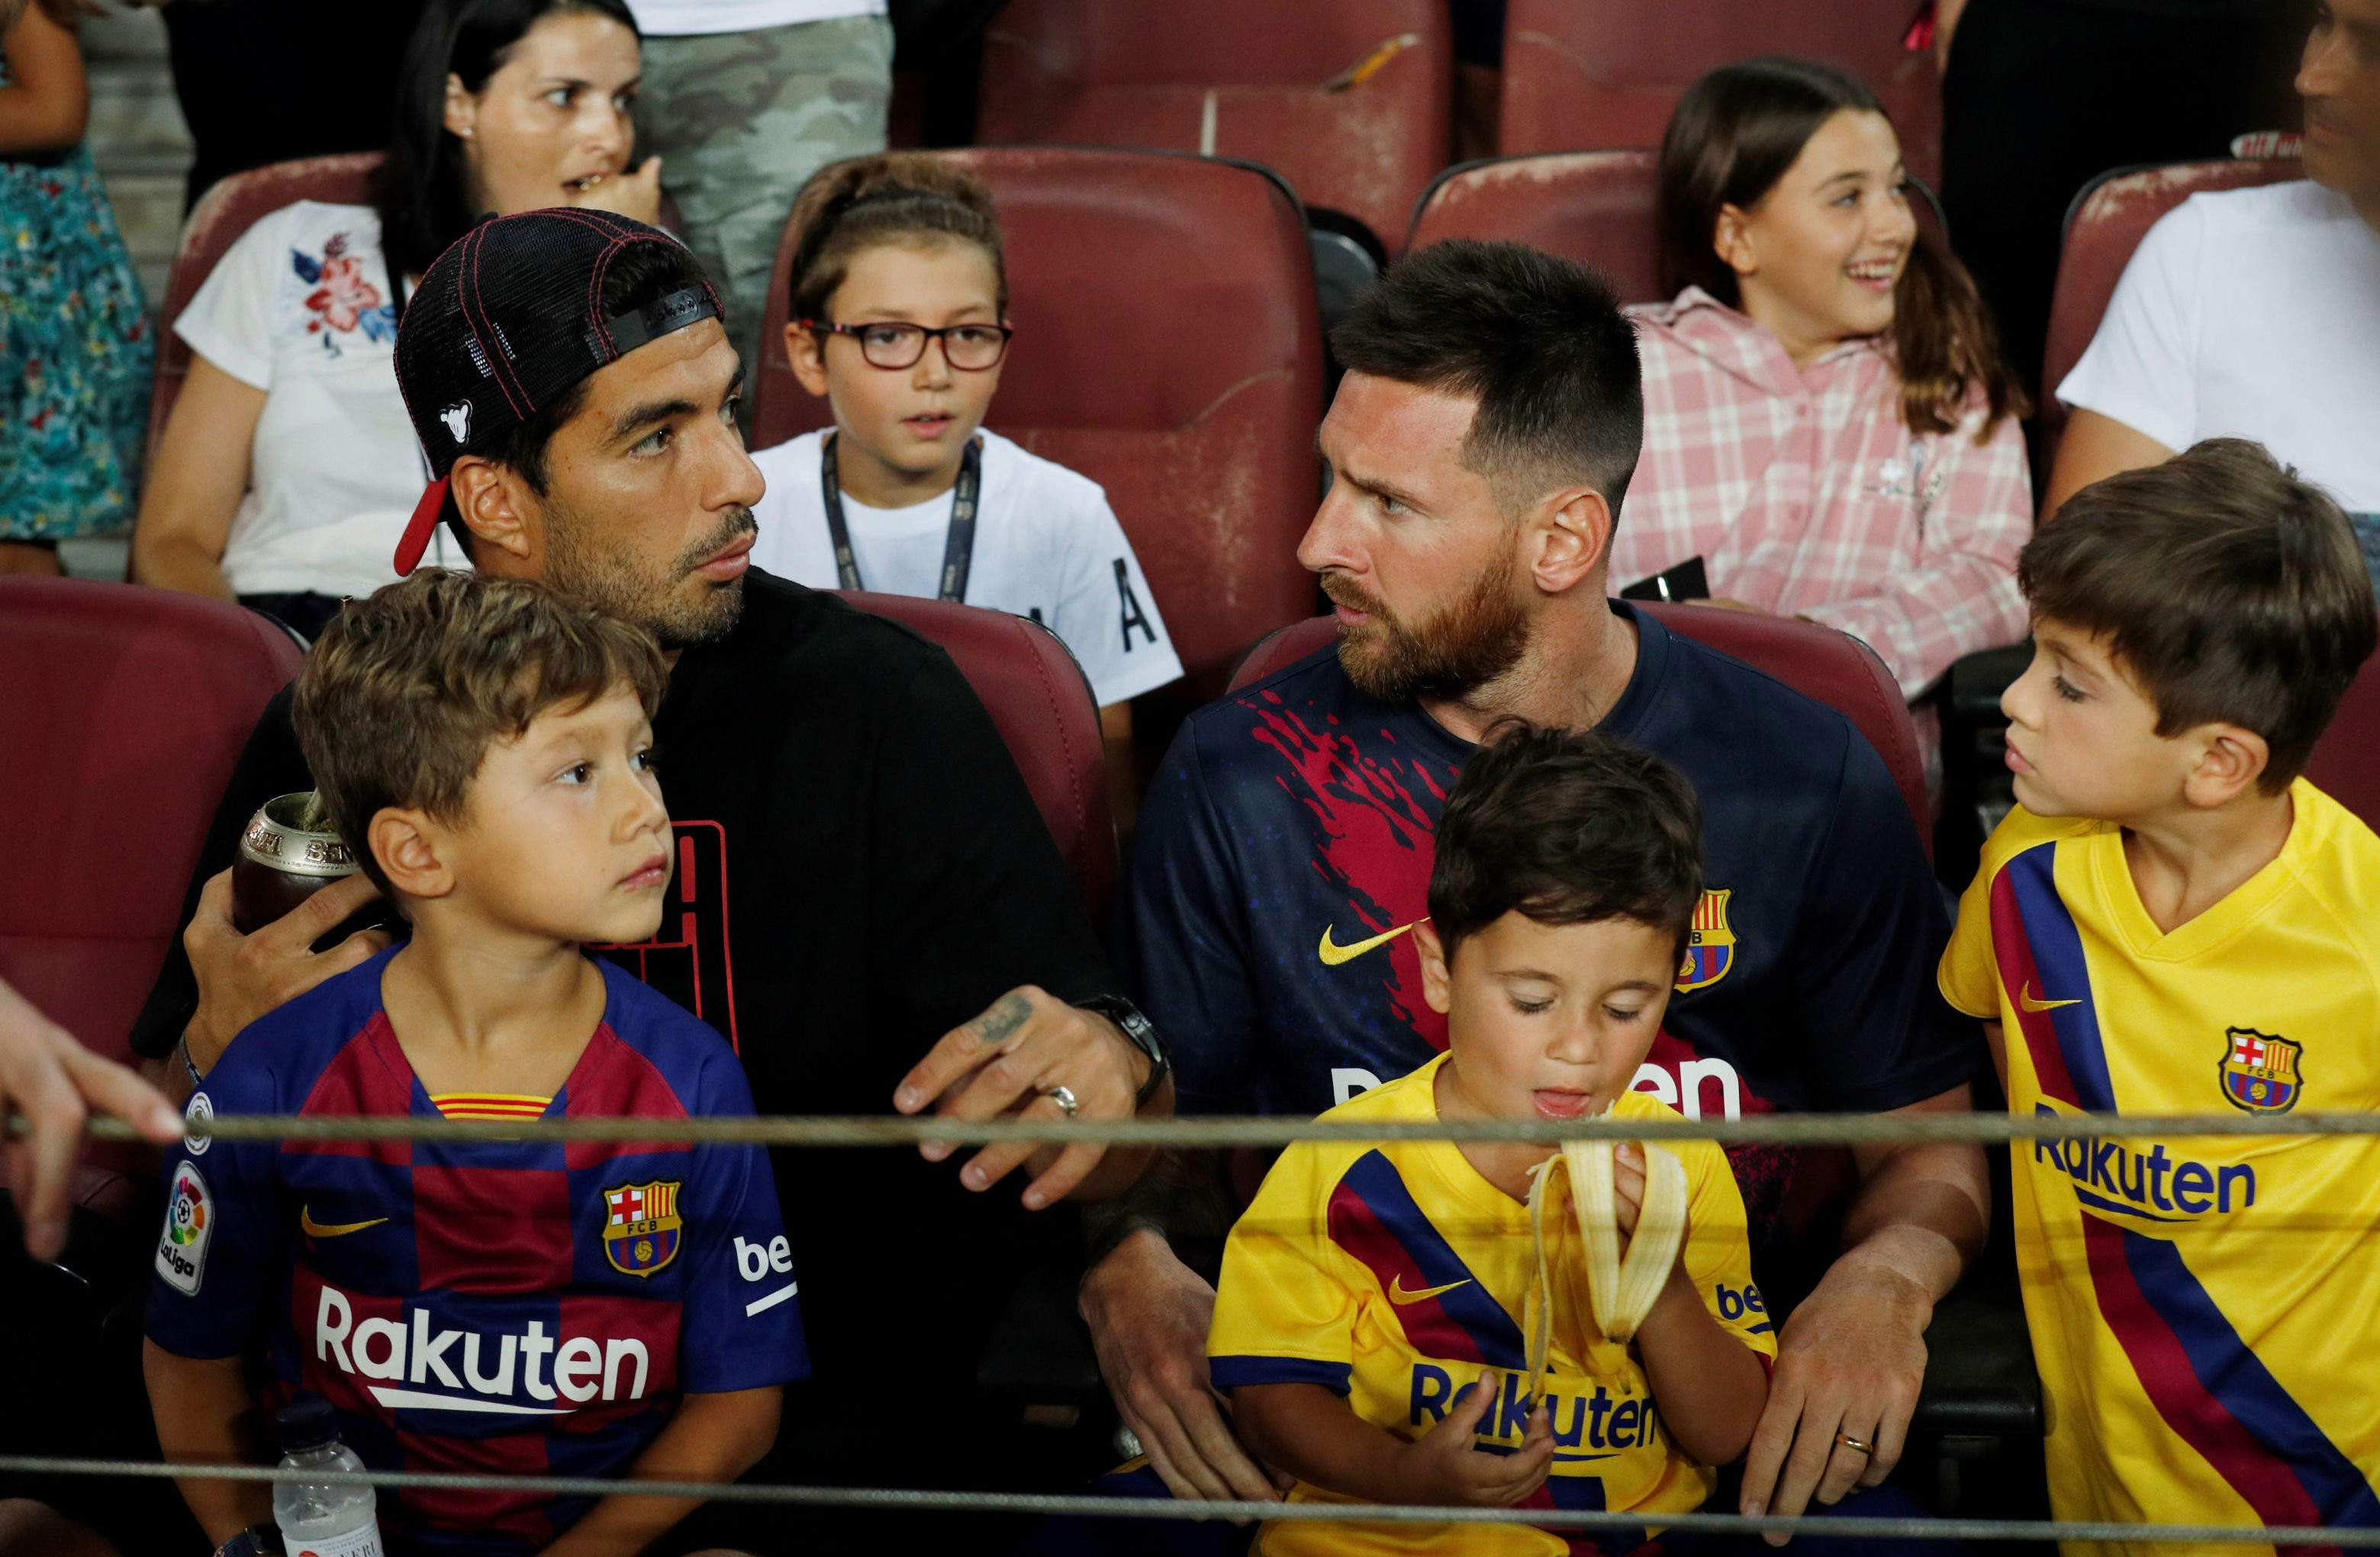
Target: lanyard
958,549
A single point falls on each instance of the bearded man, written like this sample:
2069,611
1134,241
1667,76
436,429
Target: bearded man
1480,444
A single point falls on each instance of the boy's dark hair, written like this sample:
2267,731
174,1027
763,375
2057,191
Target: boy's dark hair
2232,590
1567,827
405,692
1540,341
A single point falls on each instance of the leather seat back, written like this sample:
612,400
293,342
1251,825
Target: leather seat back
1167,348
1038,699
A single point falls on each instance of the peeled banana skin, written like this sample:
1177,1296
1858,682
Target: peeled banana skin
1620,1292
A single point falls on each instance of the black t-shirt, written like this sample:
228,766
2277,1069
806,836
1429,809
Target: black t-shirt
1285,851
861,869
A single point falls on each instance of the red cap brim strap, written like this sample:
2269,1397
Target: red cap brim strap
418,529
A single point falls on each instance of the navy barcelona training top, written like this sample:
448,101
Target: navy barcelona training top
533,1309
1285,851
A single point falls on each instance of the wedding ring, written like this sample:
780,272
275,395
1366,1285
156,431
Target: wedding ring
1064,1098
1847,1441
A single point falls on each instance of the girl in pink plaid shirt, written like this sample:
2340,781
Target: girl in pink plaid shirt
1828,422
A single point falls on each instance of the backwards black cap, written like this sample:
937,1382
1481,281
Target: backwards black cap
507,322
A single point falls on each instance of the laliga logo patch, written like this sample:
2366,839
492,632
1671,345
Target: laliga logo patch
1710,944
457,418
189,1228
2259,1072
642,1226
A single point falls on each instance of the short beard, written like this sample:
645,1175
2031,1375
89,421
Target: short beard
1463,648
615,581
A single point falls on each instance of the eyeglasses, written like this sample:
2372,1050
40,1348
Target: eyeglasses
968,348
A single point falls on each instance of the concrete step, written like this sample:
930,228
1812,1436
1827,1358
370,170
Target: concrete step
137,138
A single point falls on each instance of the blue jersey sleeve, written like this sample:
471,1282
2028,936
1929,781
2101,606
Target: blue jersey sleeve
226,1234
741,1327
1184,938
1873,930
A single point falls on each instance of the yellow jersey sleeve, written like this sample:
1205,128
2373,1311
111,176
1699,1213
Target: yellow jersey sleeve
1969,973
1718,1248
1285,1310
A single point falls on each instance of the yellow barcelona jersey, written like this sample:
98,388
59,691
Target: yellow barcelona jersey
2203,1310
1396,1275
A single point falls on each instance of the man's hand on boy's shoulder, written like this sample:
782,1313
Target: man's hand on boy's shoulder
241,977
1019,1057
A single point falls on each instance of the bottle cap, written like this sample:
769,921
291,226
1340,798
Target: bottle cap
306,1423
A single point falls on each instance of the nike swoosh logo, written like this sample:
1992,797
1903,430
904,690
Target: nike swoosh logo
2028,1000
1332,954
1400,1297
314,1229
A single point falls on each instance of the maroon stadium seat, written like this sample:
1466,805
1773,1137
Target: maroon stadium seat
1166,348
1239,79
1817,662
222,213
2104,223
1042,706
1594,207
1584,73
2343,764
127,708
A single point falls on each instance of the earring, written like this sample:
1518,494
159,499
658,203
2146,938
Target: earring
465,132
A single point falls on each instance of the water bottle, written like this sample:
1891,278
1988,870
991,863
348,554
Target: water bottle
320,1519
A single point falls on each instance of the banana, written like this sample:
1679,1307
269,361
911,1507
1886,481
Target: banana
1620,1292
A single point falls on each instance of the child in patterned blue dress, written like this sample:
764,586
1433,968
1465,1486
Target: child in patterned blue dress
75,340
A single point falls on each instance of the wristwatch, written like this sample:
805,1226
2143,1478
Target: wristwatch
1143,1034
257,1540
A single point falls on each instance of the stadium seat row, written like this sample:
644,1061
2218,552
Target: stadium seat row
1349,98
1170,347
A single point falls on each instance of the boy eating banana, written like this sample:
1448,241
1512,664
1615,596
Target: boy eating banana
1501,1325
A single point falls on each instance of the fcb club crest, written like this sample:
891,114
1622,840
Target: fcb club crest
2259,1072
641,1227
1711,946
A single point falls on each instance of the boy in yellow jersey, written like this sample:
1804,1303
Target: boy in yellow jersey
1373,1318
2172,922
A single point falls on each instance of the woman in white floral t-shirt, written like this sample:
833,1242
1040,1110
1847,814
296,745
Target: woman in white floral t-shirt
289,467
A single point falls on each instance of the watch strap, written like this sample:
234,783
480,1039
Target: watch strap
1141,1033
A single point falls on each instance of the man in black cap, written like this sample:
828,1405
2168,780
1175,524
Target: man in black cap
868,903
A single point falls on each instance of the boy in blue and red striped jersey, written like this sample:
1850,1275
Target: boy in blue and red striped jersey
606,1311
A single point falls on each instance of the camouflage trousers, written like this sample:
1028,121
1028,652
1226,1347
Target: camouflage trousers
740,121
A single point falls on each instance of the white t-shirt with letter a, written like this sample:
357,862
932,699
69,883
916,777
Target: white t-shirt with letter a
1047,546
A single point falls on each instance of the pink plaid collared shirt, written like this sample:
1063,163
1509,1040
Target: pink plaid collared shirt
1805,493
